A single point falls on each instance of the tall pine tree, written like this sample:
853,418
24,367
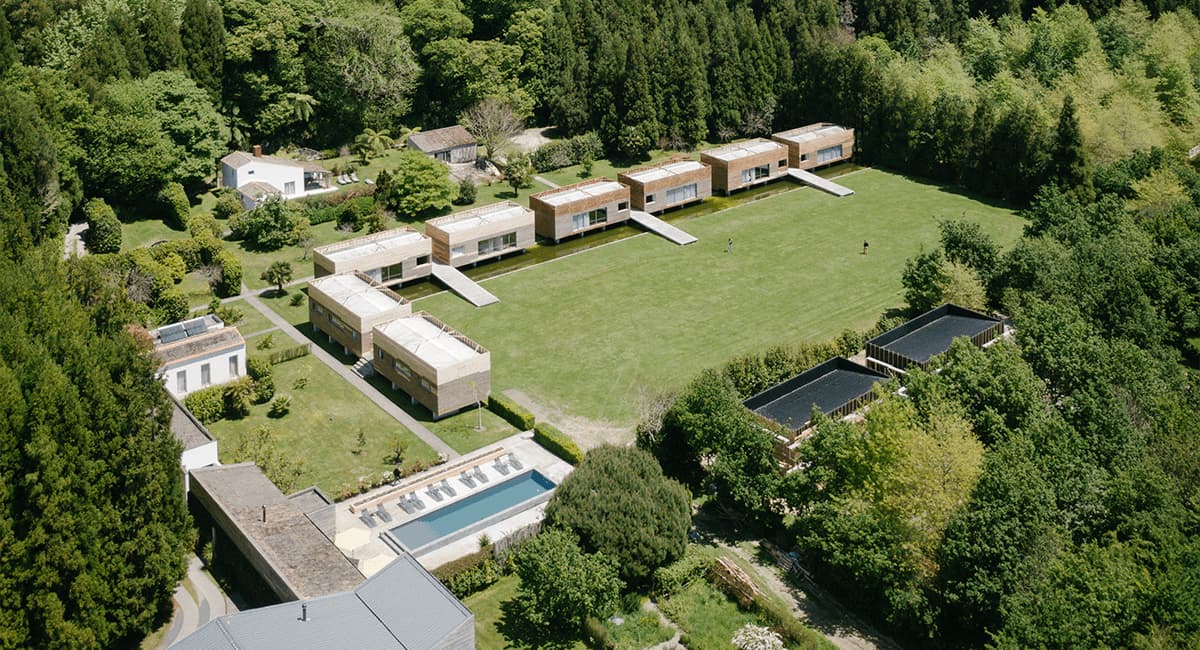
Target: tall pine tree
202,33
164,51
8,52
1068,160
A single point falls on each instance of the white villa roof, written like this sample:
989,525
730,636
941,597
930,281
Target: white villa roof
434,345
371,244
578,193
802,135
740,150
470,219
354,294
659,172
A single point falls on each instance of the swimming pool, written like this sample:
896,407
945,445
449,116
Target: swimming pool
472,513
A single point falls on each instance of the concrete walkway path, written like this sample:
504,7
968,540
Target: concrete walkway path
73,242
353,378
193,612
823,184
547,182
465,287
660,227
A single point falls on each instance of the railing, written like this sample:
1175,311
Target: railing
1194,152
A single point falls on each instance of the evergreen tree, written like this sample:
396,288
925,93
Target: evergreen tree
640,131
8,51
124,25
1069,159
93,528
164,50
202,34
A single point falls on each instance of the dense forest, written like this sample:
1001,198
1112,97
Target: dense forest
1041,493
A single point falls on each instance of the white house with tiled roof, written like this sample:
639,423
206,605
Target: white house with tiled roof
198,353
257,176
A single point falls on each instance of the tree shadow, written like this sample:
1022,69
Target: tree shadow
508,194
522,630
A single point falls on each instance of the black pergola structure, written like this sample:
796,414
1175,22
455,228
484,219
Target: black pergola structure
836,388
916,342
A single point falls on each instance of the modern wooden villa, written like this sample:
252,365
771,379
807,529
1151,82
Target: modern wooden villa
388,257
452,144
481,233
435,365
668,184
816,145
347,307
745,164
575,209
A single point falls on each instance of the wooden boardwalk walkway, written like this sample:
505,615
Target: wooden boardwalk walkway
809,178
462,285
660,227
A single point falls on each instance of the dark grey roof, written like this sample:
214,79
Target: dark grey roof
210,342
402,607
932,333
309,499
828,386
297,550
441,139
186,428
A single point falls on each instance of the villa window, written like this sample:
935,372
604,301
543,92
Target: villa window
782,164
402,370
340,324
458,251
830,153
289,188
623,205
233,366
205,375
650,198
428,386
803,157
316,306
422,260
497,244
378,354
393,272
588,219
681,194
181,381
755,173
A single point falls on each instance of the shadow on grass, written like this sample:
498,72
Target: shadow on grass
518,626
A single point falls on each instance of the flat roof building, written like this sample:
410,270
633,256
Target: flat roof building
668,184
745,164
836,387
348,306
403,607
481,233
817,145
435,365
575,209
284,547
389,257
199,447
198,353
451,144
914,343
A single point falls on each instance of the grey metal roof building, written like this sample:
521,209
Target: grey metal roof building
401,607
914,343
835,387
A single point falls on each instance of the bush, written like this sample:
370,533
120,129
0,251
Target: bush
173,201
203,224
287,354
672,579
172,306
469,574
296,300
557,443
104,229
174,265
564,153
187,250
208,249
231,274
259,369
317,215
466,192
596,634
279,406
208,404
270,226
229,203
510,411
237,395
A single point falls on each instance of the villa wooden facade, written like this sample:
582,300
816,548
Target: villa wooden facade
669,184
575,209
481,233
388,257
817,145
745,164
348,306
435,365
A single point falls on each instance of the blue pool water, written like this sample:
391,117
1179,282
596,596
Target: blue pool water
475,508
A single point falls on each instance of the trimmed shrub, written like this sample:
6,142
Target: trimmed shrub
296,300
174,202
510,411
323,214
104,229
557,154
261,372
172,306
280,405
231,274
557,443
208,249
671,579
287,354
188,250
208,404
175,265
466,192
228,204
203,224
237,395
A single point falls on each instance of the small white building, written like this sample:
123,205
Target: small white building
257,176
198,353
199,447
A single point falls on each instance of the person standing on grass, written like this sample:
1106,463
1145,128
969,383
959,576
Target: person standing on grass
866,245
729,246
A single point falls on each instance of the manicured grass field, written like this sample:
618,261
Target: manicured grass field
252,322
136,234
322,427
588,333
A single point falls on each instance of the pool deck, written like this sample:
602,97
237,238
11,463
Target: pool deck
363,545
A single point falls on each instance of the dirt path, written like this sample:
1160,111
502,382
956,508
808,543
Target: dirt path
586,433
671,643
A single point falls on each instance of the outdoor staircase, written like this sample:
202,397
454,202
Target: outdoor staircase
363,367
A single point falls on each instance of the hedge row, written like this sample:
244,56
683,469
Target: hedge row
564,153
287,354
510,411
671,579
471,573
207,404
557,443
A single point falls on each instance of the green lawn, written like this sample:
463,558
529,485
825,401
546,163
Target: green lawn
608,168
638,630
136,234
707,616
322,427
195,286
252,321
588,333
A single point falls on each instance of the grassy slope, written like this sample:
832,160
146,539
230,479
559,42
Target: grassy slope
586,333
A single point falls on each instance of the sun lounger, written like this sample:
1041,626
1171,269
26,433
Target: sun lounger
432,491
479,475
382,514
467,479
501,466
403,503
512,460
445,485
353,177
416,501
366,518
368,181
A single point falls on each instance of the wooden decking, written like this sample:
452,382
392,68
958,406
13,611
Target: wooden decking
809,178
465,287
660,227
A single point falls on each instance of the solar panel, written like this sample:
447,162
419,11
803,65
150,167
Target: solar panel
196,326
171,333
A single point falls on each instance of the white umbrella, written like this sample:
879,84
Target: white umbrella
351,538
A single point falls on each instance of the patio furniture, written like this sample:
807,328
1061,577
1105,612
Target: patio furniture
365,517
479,475
467,479
403,503
445,485
368,181
501,466
512,460
382,514
432,491
416,501
353,177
